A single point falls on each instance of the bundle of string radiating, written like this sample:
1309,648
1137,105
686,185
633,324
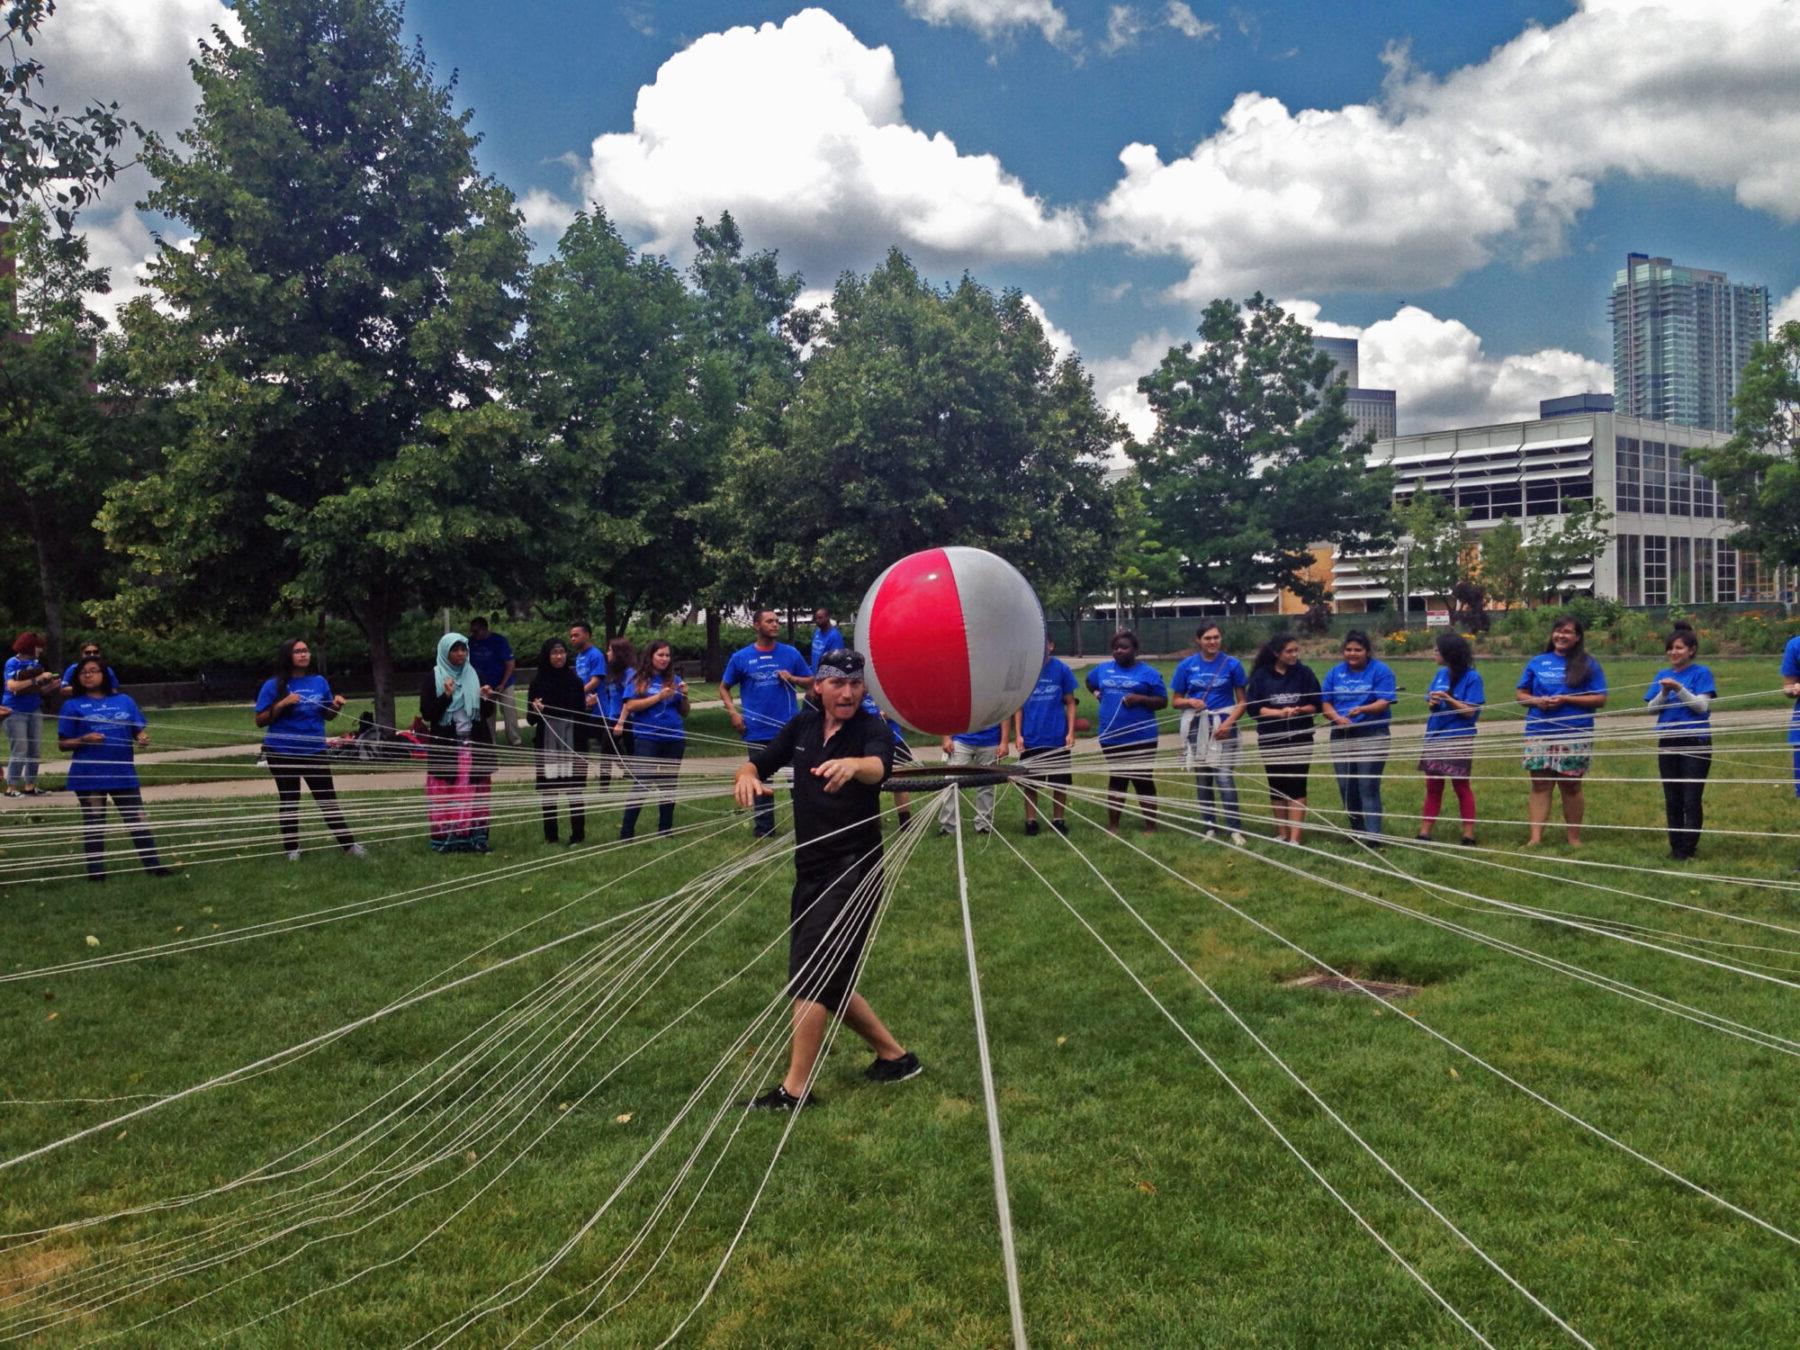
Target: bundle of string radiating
634,959
1184,817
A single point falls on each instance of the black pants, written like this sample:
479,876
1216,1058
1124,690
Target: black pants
1683,762
1131,765
292,770
93,827
831,923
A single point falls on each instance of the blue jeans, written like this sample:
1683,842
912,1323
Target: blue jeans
1219,777
25,736
1360,755
654,768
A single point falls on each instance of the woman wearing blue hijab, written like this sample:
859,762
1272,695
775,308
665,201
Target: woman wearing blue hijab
459,758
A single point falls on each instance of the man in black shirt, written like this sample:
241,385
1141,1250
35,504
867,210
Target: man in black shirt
840,755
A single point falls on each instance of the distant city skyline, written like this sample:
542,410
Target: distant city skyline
1451,185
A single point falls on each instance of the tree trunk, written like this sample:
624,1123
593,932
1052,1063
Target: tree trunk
381,669
714,665
1075,631
611,621
790,625
321,663
47,587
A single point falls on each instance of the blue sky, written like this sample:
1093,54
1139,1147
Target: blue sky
1456,183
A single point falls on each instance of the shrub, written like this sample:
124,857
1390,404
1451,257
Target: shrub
1752,631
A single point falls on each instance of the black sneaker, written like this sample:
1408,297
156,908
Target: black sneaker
1060,826
778,1098
894,1070
1031,829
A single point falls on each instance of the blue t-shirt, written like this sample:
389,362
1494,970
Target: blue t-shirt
612,694
590,663
299,730
1345,689
1119,724
766,701
1545,674
660,721
828,641
19,668
1790,669
1045,721
69,676
489,656
1674,715
1214,682
874,709
986,738
1447,721
106,767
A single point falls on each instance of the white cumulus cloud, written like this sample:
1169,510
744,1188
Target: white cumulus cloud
1787,310
797,130
1061,344
1443,174
1443,375
992,18
1116,377
134,53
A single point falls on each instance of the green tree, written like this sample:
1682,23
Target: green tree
1758,469
1556,545
57,449
923,417
1433,548
1252,463
609,377
54,160
330,342
748,337
1504,563
1143,568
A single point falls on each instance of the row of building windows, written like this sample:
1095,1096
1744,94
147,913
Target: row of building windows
1656,480
1497,501
1657,569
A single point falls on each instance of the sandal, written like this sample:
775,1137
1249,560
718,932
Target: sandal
14,792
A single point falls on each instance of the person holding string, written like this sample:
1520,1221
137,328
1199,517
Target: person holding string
1561,689
1681,695
1284,696
1358,697
1209,689
556,704
26,684
89,651
1455,699
293,706
102,730
655,709
459,755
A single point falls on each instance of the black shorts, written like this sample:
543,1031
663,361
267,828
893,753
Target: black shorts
824,952
1050,763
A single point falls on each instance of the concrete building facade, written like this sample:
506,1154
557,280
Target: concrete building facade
1681,338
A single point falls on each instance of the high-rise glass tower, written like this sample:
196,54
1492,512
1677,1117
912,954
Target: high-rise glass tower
1681,337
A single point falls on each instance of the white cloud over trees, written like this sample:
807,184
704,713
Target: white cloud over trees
1441,175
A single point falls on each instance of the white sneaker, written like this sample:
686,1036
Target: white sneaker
293,855
1210,834
1238,838
357,851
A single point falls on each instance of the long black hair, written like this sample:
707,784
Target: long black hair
1577,665
1270,652
284,665
106,679
1457,654
1683,632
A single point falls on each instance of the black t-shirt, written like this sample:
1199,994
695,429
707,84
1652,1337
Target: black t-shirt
855,808
1268,688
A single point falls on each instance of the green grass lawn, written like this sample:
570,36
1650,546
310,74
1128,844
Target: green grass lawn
1150,1205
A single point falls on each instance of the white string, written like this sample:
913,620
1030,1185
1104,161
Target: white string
1009,1257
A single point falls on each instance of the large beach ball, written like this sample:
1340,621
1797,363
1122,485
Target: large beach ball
954,640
